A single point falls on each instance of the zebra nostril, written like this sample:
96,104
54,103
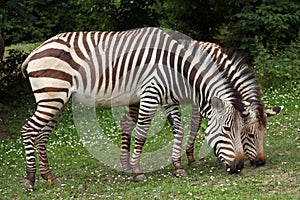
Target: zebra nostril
260,162
228,168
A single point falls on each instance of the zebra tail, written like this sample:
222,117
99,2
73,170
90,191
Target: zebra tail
24,66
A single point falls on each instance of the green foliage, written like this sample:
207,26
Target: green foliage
34,21
278,67
92,15
11,80
129,14
198,19
1,48
270,23
118,15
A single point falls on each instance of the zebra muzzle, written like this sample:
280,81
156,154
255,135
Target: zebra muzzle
236,166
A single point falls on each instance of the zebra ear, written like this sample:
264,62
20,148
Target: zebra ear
273,111
217,103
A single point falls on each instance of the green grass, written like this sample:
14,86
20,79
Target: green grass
85,177
22,47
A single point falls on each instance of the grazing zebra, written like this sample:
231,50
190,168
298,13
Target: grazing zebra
253,132
144,66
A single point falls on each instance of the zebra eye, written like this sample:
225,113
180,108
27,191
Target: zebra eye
247,120
251,136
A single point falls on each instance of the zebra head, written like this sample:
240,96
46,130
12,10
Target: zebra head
224,134
254,132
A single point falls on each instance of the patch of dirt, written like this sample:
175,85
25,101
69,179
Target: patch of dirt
252,171
4,135
276,179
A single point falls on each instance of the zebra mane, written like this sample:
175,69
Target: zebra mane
240,75
233,64
243,75
225,88
195,49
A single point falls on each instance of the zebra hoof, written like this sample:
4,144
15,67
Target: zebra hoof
127,171
139,177
29,185
54,181
179,173
192,164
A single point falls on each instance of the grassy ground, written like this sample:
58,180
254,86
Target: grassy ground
85,177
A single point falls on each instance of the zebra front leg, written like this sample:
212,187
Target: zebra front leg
128,123
195,126
147,109
173,115
125,152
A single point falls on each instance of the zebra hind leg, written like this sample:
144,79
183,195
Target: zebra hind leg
40,143
28,135
34,133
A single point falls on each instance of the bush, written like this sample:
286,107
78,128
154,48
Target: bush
1,48
35,21
271,23
278,67
11,80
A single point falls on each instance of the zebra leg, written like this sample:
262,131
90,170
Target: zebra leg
40,144
28,134
128,123
173,115
147,109
32,133
195,125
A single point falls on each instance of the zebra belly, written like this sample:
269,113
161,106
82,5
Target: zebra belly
108,100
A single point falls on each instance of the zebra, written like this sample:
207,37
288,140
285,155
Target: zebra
253,132
144,66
